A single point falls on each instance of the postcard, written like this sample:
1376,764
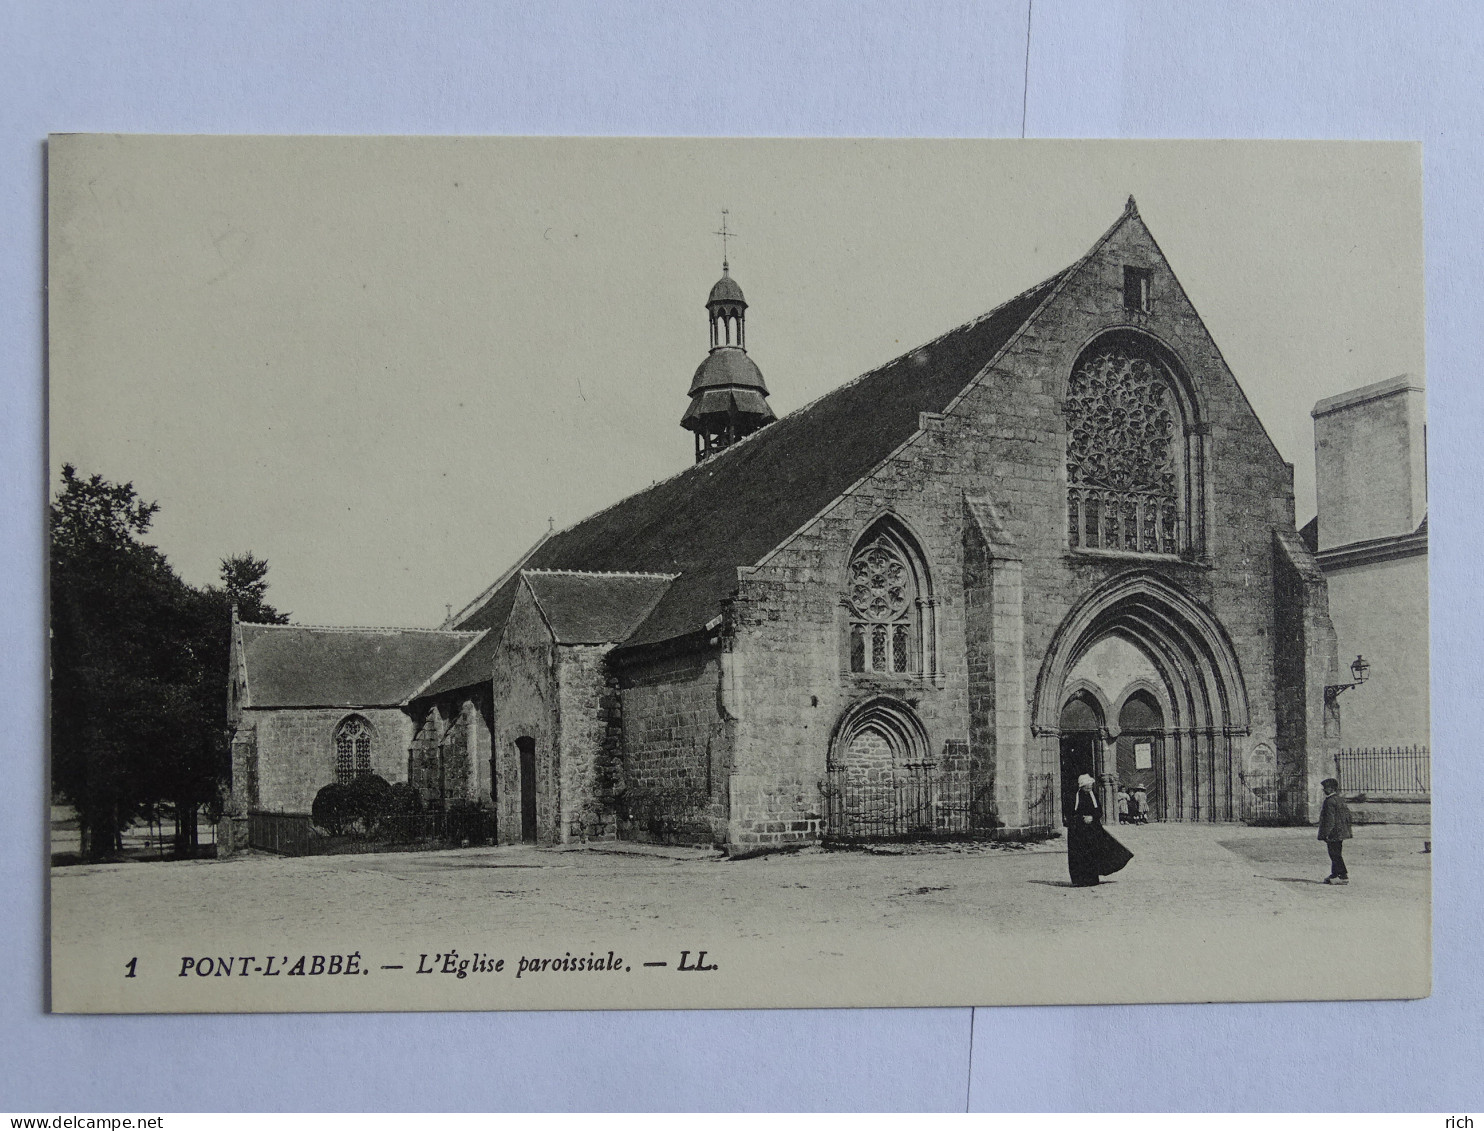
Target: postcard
562,573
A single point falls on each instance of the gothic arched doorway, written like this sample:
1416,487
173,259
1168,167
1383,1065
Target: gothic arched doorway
1139,762
1081,732
880,774
1195,700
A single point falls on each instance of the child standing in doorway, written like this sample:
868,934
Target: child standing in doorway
1138,808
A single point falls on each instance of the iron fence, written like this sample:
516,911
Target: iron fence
1262,798
1402,770
919,801
288,834
1044,807
295,834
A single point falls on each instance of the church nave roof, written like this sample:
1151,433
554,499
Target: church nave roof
731,509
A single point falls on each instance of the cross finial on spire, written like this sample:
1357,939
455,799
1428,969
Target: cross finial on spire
724,233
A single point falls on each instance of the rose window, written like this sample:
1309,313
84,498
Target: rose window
1124,435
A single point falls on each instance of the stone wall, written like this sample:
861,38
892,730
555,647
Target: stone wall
524,689
1004,441
449,759
1305,661
1380,611
1370,462
676,748
244,764
588,710
295,751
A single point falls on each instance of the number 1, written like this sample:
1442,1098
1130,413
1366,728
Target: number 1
130,966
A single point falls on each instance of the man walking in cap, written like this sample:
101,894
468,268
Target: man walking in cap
1334,830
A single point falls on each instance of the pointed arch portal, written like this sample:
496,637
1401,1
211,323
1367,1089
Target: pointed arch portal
881,779
1199,699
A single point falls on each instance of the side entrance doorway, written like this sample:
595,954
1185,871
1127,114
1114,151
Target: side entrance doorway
527,748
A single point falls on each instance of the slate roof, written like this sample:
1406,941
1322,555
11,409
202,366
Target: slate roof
471,667
722,402
732,509
726,290
727,366
289,665
595,608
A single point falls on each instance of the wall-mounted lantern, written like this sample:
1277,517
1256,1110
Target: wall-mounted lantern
1360,671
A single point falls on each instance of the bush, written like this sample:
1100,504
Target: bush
332,809
404,798
468,822
355,807
370,799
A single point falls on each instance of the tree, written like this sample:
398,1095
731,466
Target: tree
139,666
109,593
244,581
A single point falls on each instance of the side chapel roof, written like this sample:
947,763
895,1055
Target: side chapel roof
730,510
595,608
291,665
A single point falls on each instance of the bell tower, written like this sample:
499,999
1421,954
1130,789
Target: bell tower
728,399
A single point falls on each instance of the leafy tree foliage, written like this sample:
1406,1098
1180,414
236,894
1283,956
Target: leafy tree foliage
139,666
244,584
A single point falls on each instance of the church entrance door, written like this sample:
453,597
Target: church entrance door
527,747
1140,757
1078,756
1081,739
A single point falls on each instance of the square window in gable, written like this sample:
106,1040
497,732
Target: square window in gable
1136,289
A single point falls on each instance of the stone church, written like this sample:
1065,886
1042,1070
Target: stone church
1054,540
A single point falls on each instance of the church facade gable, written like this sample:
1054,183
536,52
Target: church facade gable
1110,440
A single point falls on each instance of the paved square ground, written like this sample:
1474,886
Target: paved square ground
1262,887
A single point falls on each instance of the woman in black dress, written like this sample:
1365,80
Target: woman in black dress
1091,849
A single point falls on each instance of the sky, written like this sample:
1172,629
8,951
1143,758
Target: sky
386,364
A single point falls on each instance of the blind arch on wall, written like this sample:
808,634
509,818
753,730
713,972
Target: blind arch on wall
880,722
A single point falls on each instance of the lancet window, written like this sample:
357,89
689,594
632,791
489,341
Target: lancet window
889,607
352,749
1131,465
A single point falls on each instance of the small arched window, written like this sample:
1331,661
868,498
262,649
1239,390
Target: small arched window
1134,464
889,605
352,749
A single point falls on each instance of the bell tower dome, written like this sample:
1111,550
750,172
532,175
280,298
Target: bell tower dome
728,399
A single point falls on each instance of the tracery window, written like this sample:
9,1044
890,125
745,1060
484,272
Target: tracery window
888,607
352,749
1126,452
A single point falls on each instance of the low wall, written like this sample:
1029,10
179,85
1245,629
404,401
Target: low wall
1390,811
